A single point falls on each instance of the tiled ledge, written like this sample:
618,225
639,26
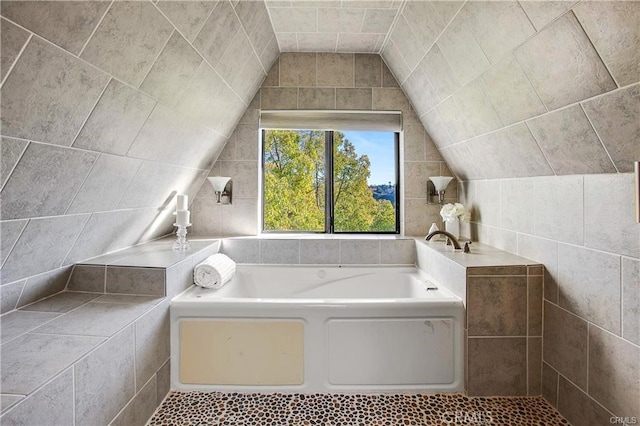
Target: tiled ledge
152,269
502,294
70,332
89,356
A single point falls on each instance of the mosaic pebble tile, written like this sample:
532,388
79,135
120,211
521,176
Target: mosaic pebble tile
277,409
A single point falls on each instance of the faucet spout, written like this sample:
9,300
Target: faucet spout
454,241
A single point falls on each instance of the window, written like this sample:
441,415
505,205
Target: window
334,181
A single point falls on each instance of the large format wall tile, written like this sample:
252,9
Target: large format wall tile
17,323
65,23
153,185
10,152
462,51
407,44
611,229
130,280
44,285
395,61
42,246
116,120
421,18
10,231
616,118
9,295
578,408
98,235
109,370
439,72
94,319
319,252
553,195
510,92
497,306
542,12
128,40
282,252
497,366
106,183
210,101
50,405
140,408
152,342
614,372
516,205
172,138
590,285
499,26
188,17
33,359
45,181
298,69
12,40
565,343
240,218
613,29
420,91
62,91
172,70
569,142
217,32
562,64
631,300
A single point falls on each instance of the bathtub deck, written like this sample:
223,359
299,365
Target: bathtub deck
218,408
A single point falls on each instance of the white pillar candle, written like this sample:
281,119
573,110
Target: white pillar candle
182,217
183,202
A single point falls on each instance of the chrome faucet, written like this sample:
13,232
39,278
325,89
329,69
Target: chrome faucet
450,237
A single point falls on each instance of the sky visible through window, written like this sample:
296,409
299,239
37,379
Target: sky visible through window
379,147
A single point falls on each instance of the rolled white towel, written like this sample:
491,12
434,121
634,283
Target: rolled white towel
214,272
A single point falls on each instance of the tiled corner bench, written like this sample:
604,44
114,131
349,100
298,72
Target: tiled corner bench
98,352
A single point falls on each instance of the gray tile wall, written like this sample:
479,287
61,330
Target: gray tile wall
524,90
565,73
108,110
321,251
320,81
582,228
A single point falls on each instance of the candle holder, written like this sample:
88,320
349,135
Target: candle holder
181,243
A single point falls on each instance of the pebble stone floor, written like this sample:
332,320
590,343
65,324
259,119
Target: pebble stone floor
243,409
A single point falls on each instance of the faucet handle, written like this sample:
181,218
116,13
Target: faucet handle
466,246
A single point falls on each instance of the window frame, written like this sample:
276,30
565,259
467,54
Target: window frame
329,207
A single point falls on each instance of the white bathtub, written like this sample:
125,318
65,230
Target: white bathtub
318,329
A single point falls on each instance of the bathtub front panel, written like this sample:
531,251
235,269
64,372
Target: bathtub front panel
390,351
248,353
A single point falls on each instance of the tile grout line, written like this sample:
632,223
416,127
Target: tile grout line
600,139
18,57
160,52
86,43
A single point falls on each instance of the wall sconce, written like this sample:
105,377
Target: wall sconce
222,187
436,186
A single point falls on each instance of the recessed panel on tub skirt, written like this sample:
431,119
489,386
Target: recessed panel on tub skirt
216,352
391,351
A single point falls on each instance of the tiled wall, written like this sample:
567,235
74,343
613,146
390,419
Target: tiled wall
504,331
320,81
523,90
318,251
517,89
108,110
582,229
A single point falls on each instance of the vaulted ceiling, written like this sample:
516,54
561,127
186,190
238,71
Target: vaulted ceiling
100,98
